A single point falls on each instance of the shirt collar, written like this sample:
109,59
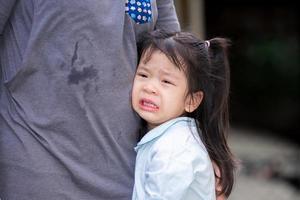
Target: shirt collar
161,129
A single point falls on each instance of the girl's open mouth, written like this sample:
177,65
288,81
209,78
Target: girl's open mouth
148,105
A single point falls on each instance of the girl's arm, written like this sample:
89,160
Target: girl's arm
221,197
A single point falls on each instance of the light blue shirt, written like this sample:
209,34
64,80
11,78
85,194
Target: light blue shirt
173,164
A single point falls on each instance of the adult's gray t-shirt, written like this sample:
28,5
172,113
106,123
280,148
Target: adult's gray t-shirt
67,130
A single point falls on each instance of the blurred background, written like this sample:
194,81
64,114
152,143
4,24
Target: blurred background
265,76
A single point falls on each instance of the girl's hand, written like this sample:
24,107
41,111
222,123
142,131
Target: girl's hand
218,186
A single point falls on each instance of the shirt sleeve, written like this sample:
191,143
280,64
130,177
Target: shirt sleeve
6,7
167,17
168,175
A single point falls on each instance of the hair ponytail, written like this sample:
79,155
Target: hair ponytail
215,124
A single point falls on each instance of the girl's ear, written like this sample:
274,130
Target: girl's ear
193,101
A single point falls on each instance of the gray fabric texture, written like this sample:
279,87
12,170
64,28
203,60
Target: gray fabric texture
67,130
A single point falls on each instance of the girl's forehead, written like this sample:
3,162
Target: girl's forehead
147,54
157,60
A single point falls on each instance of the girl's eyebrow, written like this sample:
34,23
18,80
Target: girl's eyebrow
143,67
169,74
162,72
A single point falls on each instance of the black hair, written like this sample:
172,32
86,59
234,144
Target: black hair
207,69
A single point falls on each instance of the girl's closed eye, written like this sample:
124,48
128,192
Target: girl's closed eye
168,82
142,75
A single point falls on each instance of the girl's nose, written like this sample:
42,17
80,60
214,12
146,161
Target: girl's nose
150,88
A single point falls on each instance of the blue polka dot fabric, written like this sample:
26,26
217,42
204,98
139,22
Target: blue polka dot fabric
139,10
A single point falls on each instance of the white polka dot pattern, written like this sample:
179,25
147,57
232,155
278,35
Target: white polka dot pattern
139,10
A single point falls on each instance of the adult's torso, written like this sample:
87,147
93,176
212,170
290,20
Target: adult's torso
67,130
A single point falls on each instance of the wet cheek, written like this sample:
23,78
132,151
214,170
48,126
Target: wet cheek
133,96
134,104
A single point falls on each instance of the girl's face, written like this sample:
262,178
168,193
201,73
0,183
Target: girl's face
159,90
